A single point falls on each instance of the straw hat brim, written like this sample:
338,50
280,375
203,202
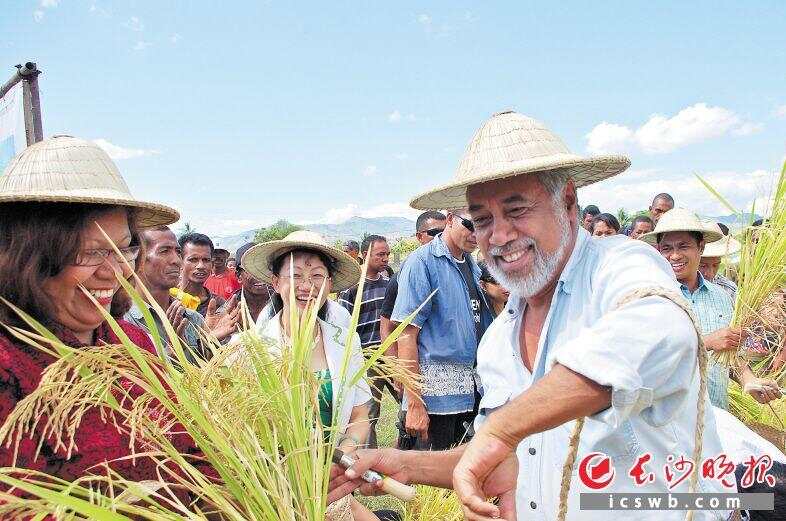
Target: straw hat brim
709,236
722,248
147,215
583,171
258,259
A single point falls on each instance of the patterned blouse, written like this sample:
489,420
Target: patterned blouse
21,367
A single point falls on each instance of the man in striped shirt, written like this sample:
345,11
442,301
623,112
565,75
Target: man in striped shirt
375,254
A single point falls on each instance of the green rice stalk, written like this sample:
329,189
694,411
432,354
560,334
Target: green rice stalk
761,270
252,411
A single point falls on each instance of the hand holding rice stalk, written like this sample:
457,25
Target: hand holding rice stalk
762,269
262,453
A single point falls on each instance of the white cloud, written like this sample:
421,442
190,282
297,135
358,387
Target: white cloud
49,3
396,116
118,152
343,214
141,45
370,171
424,20
608,138
401,156
175,38
469,17
635,189
780,111
38,15
661,134
135,24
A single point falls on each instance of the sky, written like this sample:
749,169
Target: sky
245,112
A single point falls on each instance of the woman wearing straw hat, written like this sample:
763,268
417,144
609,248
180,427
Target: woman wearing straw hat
576,339
63,209
681,237
317,269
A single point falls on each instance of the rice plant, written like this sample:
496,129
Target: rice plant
252,411
761,272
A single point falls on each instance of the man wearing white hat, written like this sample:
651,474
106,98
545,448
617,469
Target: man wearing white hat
681,237
576,340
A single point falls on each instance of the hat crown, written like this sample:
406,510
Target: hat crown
509,140
306,236
63,165
680,219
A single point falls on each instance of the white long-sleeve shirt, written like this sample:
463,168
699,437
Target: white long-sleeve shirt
645,352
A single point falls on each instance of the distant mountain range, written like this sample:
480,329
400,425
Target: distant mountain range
733,220
390,227
352,229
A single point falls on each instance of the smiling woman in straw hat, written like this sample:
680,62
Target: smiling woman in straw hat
575,340
57,200
681,237
303,265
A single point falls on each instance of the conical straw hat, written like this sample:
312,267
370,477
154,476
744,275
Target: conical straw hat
258,260
72,170
728,245
682,220
510,144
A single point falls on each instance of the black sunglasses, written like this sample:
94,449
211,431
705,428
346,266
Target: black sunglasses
469,225
433,232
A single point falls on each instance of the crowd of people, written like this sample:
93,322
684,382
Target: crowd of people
526,313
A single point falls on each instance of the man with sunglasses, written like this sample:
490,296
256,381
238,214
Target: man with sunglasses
441,342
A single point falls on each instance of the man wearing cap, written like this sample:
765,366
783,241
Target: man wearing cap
576,340
713,255
681,237
255,292
441,342
222,281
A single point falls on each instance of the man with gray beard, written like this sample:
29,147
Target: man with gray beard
593,366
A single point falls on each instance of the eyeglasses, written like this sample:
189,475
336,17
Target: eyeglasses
469,225
97,256
316,279
432,232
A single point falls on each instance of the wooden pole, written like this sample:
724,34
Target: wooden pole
28,73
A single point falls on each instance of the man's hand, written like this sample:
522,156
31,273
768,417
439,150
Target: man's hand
764,391
223,324
389,462
176,314
417,420
724,339
488,468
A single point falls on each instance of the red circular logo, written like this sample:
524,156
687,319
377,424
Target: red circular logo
596,471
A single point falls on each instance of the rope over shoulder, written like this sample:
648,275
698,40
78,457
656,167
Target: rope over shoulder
698,440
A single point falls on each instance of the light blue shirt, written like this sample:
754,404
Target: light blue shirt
645,351
447,341
713,308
